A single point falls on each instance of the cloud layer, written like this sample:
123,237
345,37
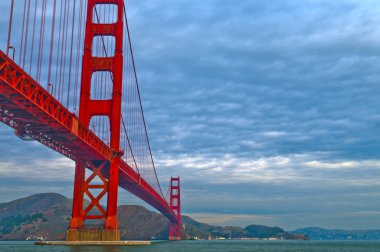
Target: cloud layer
268,111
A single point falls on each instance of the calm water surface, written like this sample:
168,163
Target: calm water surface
209,246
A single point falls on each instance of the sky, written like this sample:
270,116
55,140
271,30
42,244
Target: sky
267,110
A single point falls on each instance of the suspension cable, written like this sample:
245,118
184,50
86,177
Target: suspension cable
138,91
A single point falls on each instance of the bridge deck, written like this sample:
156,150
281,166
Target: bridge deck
34,113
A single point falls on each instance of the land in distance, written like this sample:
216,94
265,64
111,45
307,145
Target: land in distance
46,217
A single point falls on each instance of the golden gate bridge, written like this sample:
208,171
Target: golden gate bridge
68,80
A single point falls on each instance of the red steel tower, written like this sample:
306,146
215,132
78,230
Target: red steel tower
89,108
175,205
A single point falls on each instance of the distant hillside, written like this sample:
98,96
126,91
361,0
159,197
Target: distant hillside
315,233
40,215
47,216
33,204
136,222
202,230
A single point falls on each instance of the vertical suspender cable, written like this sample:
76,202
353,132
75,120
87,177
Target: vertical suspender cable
26,35
78,56
138,91
41,45
33,33
71,55
61,49
10,27
64,49
51,45
126,103
56,89
22,33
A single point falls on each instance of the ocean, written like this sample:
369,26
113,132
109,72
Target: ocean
209,246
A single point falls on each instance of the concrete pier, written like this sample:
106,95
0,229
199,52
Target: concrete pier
73,235
93,243
93,237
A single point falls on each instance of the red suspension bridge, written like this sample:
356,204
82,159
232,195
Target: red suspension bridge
68,80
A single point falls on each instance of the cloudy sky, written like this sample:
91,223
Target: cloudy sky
267,110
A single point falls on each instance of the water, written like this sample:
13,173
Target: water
209,246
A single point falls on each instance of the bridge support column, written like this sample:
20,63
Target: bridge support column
111,108
175,205
113,184
77,218
95,211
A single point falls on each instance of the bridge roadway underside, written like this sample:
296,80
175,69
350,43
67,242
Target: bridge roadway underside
35,114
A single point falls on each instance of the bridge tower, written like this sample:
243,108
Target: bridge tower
175,205
89,108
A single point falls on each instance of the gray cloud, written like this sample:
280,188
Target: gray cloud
269,112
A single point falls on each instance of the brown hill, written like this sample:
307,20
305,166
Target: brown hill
47,216
30,205
35,217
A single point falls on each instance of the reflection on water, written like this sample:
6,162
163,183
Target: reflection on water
96,249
